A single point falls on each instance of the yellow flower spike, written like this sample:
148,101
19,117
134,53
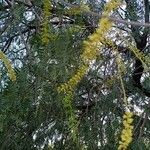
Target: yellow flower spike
127,132
11,72
70,85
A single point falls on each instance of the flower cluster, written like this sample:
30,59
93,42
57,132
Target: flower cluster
45,25
91,45
69,86
126,135
94,40
8,65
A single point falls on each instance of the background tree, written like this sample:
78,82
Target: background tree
44,41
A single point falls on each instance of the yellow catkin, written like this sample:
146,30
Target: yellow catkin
69,86
127,132
45,36
93,43
91,47
11,72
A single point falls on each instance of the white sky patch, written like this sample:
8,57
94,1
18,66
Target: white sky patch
29,16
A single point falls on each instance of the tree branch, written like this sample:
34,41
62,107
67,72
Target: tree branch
133,23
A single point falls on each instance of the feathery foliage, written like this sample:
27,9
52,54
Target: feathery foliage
80,78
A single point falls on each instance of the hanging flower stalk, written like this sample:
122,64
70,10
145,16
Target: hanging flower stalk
90,51
127,132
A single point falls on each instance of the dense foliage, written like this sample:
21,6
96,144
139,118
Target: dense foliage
81,76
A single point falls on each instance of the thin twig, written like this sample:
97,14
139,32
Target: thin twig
142,126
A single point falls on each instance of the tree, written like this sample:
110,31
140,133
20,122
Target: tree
46,42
